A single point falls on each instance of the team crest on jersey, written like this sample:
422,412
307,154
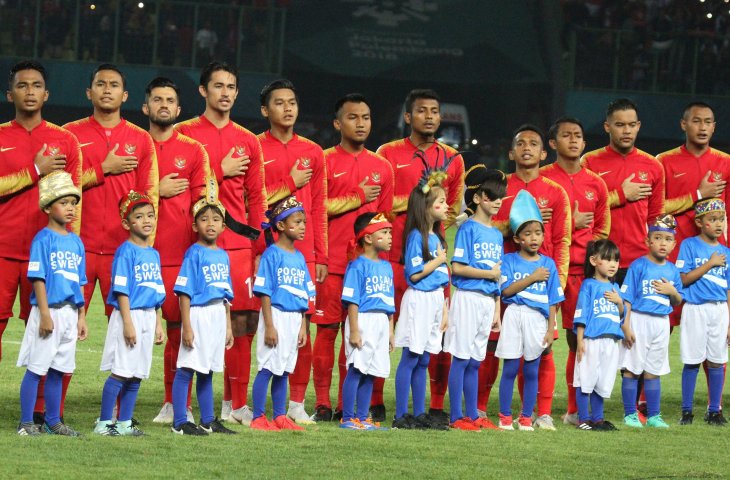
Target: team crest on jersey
543,202
375,176
54,150
180,162
643,176
590,195
130,148
240,150
305,162
716,176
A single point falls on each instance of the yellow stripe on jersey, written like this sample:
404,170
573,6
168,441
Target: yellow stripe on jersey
15,182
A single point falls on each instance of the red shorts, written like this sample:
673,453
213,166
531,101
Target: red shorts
313,274
171,307
242,277
329,301
98,267
572,287
14,274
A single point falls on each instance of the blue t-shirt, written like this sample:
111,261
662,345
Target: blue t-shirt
369,285
713,285
477,246
599,316
284,277
414,263
59,261
204,275
540,295
637,289
136,273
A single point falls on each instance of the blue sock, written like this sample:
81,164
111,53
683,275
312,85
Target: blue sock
456,386
689,381
471,388
596,407
653,394
629,386
403,375
28,393
715,377
529,391
128,400
349,392
52,396
204,393
510,367
418,384
258,392
583,400
109,395
278,394
180,385
364,395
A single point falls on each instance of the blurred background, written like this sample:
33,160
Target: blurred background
495,63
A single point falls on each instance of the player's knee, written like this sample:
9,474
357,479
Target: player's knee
692,366
547,351
571,339
628,374
714,365
119,378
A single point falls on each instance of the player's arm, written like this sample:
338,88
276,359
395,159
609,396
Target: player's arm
271,336
148,178
391,333
318,215
540,274
187,336
74,166
549,335
455,186
81,325
159,333
46,324
580,346
716,260
656,199
430,266
629,335
254,185
386,198
352,320
130,334
399,202
561,232
200,173
229,327
497,317
468,271
348,202
602,215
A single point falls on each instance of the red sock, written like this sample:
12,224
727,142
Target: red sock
377,398
299,378
438,370
323,359
569,376
342,363
245,374
227,396
3,326
233,364
40,403
488,373
172,346
64,389
546,385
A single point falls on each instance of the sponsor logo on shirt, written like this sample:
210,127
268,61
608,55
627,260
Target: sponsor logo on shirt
458,252
403,166
5,149
260,281
120,281
679,263
677,175
130,148
266,162
348,292
578,313
416,261
34,266
181,281
339,174
600,174
180,162
624,287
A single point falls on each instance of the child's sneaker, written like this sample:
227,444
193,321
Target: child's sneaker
370,424
716,419
633,420
437,415
217,427
485,424
166,414
322,413
242,415
297,413
571,419
226,409
403,423
128,429
604,426
262,423
481,414
465,423
28,430
545,422
525,424
106,428
285,423
686,418
61,429
505,422
352,424
584,426
189,428
656,422
377,413
425,422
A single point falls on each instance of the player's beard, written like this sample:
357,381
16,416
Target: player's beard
163,122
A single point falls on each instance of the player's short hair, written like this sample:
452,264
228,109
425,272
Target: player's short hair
419,94
215,66
691,105
363,221
553,132
528,127
349,98
27,65
282,83
108,66
621,104
604,249
160,82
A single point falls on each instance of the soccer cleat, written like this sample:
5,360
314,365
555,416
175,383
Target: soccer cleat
261,423
545,422
465,424
28,430
337,416
39,419
369,424
425,422
298,414
226,409
322,414
642,409
403,423
633,420
656,422
189,428
505,422
106,428
352,424
584,426
61,429
285,423
687,417
641,417
571,419
438,416
604,426
481,414
242,415
128,429
216,427
525,424
485,424
166,414
189,415
377,412
715,419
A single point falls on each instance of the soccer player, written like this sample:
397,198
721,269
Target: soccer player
423,115
588,198
358,181
294,165
235,157
183,169
527,151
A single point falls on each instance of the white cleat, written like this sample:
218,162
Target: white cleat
298,414
243,415
545,422
571,419
226,409
166,414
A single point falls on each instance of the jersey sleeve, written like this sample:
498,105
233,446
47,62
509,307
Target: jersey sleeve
678,282
148,177
12,182
122,274
684,258
185,281
351,290
256,190
455,185
385,199
318,186
200,173
37,261
82,266
309,283
679,203
414,255
507,278
602,215
583,306
656,200
555,290
265,276
74,167
561,233
462,246
629,288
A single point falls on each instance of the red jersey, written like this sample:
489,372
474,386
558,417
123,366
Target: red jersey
684,172
279,160
591,193
629,220
244,196
101,227
408,171
186,157
346,200
548,194
19,212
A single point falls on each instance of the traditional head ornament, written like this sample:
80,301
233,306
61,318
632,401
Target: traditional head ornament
378,222
709,205
435,175
56,185
280,211
210,198
131,200
524,209
474,178
664,223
